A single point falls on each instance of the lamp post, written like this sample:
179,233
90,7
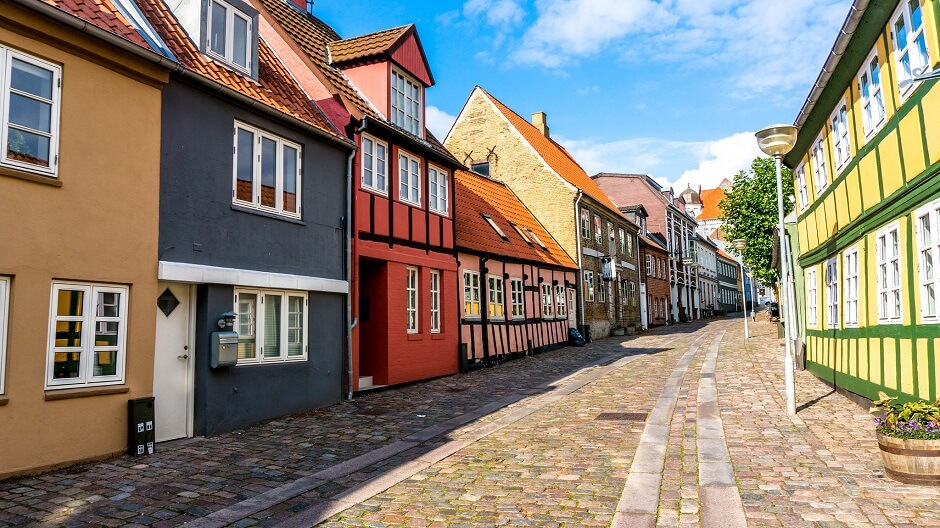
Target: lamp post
776,141
739,245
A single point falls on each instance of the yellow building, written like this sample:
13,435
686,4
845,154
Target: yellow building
867,199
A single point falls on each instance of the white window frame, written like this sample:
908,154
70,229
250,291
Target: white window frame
587,277
548,302
623,241
922,62
6,68
409,182
598,229
259,325
649,265
585,224
801,186
229,56
256,191
435,302
633,295
832,292
812,298
561,302
372,167
928,256
471,295
871,122
851,281
492,223
819,164
412,314
888,289
517,298
4,324
438,186
88,349
496,298
601,289
411,95
841,136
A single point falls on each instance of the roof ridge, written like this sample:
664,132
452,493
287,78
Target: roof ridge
373,33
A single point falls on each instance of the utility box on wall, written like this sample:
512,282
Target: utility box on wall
223,350
140,426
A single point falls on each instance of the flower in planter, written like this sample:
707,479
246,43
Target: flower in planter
916,419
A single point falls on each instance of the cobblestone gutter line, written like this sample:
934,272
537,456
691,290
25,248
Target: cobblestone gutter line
640,499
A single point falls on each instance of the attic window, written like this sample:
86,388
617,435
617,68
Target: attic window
406,103
536,238
519,230
489,220
230,34
481,168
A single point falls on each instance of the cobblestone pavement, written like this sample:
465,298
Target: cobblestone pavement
682,426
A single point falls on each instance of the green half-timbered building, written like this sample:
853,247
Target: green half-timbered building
867,191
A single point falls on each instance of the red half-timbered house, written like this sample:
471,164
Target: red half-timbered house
404,266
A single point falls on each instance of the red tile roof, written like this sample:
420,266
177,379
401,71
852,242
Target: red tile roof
478,195
726,255
275,86
103,14
368,45
710,199
554,154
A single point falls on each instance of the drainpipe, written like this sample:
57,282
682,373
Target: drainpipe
350,231
577,237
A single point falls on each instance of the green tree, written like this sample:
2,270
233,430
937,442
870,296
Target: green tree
750,212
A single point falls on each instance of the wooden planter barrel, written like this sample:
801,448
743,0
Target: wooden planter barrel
911,461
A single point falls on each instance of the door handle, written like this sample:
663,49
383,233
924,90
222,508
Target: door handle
184,356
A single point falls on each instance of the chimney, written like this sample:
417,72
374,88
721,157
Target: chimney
540,121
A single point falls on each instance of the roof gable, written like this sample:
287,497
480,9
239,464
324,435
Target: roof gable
401,45
710,199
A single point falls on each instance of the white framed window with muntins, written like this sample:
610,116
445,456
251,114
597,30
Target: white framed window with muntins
560,301
819,164
587,279
437,190
801,186
812,299
406,103
517,298
411,296
4,322
230,35
267,174
832,292
409,179
374,164
496,297
888,249
927,227
842,150
471,294
910,43
30,112
435,280
850,279
87,335
872,97
548,303
271,326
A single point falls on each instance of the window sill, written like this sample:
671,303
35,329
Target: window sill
415,337
372,190
4,400
273,216
84,392
437,336
30,176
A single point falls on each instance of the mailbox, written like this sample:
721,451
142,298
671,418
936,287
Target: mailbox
224,350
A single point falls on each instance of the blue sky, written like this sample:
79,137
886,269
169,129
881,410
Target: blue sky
672,88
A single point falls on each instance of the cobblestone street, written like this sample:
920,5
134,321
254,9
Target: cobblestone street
682,426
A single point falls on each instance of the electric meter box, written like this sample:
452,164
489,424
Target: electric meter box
224,350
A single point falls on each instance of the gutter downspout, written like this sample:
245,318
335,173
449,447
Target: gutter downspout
577,237
350,322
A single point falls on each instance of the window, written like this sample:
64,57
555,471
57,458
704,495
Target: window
265,334
481,168
812,316
437,192
411,293
517,298
910,44
492,223
229,35
873,106
649,265
623,241
630,246
4,317
547,302
889,275
840,136
535,237
560,301
471,294
601,289
495,293
832,292
435,279
850,274
374,164
87,329
928,239
30,105
409,179
598,234
406,103
633,296
587,279
819,164
522,235
267,172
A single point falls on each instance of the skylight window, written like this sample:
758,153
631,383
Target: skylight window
489,220
521,234
536,238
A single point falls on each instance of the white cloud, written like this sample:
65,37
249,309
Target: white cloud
724,158
497,12
438,121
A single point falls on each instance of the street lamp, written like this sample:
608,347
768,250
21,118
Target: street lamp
776,141
739,245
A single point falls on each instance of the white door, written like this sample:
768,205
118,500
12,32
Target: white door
173,362
572,311
644,308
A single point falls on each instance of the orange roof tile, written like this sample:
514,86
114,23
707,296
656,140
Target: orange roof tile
710,199
726,255
367,45
274,88
478,195
555,155
103,14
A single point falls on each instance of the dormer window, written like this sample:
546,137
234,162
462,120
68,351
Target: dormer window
406,103
230,35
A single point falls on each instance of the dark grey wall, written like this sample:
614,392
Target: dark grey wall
236,397
196,194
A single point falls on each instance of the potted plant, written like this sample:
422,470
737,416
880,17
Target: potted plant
909,439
